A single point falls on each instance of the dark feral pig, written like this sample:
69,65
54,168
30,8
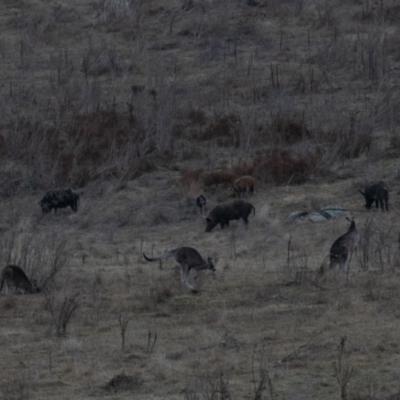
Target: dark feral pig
15,276
201,202
223,213
377,192
59,198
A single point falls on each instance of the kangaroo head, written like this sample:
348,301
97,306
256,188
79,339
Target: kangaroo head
210,263
351,223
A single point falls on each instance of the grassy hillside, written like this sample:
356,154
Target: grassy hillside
140,106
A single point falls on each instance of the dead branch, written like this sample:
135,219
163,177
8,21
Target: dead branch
294,353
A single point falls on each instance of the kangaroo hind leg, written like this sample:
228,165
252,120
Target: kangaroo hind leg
185,277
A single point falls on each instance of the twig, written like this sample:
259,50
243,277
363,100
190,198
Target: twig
294,353
304,176
150,346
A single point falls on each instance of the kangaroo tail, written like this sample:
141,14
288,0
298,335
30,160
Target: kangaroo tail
160,257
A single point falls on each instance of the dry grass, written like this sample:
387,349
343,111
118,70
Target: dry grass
248,304
141,106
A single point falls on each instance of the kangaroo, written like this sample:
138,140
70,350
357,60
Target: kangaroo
343,248
188,258
15,276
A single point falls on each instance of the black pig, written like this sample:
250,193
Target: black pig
377,192
223,213
59,198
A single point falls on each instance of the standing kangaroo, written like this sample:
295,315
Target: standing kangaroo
188,258
343,248
15,276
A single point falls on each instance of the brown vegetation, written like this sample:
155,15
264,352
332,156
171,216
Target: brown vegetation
282,167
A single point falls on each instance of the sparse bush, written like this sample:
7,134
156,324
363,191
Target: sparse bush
42,256
190,176
224,130
261,377
287,130
222,177
100,61
195,189
62,310
282,166
343,372
212,386
296,271
113,11
216,178
123,321
243,169
379,245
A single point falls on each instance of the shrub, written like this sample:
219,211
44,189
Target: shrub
224,177
191,175
223,129
282,166
288,130
197,117
62,310
243,169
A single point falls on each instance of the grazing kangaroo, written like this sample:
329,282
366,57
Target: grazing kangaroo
378,192
15,276
188,258
343,247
